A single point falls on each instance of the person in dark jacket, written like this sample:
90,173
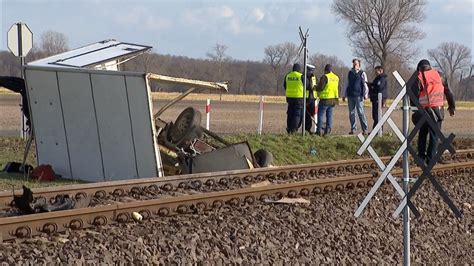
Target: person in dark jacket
379,85
356,91
430,88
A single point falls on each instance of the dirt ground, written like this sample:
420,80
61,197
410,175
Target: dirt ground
242,117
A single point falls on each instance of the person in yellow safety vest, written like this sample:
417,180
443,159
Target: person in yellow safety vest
310,97
328,90
430,87
294,86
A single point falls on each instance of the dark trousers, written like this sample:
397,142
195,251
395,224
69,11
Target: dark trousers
310,111
427,153
375,110
294,114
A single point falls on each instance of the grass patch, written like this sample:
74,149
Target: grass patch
296,149
286,149
11,149
460,105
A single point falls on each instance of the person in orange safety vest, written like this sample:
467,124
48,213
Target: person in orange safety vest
431,87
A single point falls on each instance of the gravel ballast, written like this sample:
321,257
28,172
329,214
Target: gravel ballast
324,231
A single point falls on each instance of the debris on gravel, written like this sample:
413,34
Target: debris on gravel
325,231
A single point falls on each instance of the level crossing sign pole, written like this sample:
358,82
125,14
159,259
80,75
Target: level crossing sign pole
406,193
406,180
304,38
20,42
387,169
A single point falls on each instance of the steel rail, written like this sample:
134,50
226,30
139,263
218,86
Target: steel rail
118,188
35,224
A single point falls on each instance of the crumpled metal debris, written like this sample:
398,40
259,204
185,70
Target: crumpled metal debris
27,204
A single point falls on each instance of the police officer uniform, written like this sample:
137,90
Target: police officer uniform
294,97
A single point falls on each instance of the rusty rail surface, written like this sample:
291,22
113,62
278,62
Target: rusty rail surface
101,190
35,224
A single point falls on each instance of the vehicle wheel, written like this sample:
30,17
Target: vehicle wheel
186,123
263,157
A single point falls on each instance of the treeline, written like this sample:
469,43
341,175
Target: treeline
245,77
263,77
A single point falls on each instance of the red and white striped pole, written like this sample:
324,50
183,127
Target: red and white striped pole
316,102
208,113
260,115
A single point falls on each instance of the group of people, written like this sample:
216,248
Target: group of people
429,85
327,90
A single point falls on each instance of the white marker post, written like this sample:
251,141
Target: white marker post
379,118
208,113
316,102
260,115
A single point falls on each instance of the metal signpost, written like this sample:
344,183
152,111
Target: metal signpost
446,144
379,113
405,148
20,42
304,39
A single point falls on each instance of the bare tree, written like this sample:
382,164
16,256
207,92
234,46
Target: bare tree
279,57
451,58
218,55
381,28
10,65
147,60
320,61
53,43
338,67
465,86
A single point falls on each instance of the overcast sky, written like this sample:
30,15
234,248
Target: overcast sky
192,28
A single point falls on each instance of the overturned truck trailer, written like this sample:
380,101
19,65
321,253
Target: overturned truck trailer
95,123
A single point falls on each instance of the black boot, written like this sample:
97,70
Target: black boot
327,131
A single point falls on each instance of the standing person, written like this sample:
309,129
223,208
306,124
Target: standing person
379,85
294,97
310,97
356,92
328,90
429,87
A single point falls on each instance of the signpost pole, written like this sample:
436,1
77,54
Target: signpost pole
406,179
379,107
22,63
304,39
20,42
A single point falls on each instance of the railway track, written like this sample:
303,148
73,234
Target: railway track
195,181
52,222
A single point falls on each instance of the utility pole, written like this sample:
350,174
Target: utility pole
304,39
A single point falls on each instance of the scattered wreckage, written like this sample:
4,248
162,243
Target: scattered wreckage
92,122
